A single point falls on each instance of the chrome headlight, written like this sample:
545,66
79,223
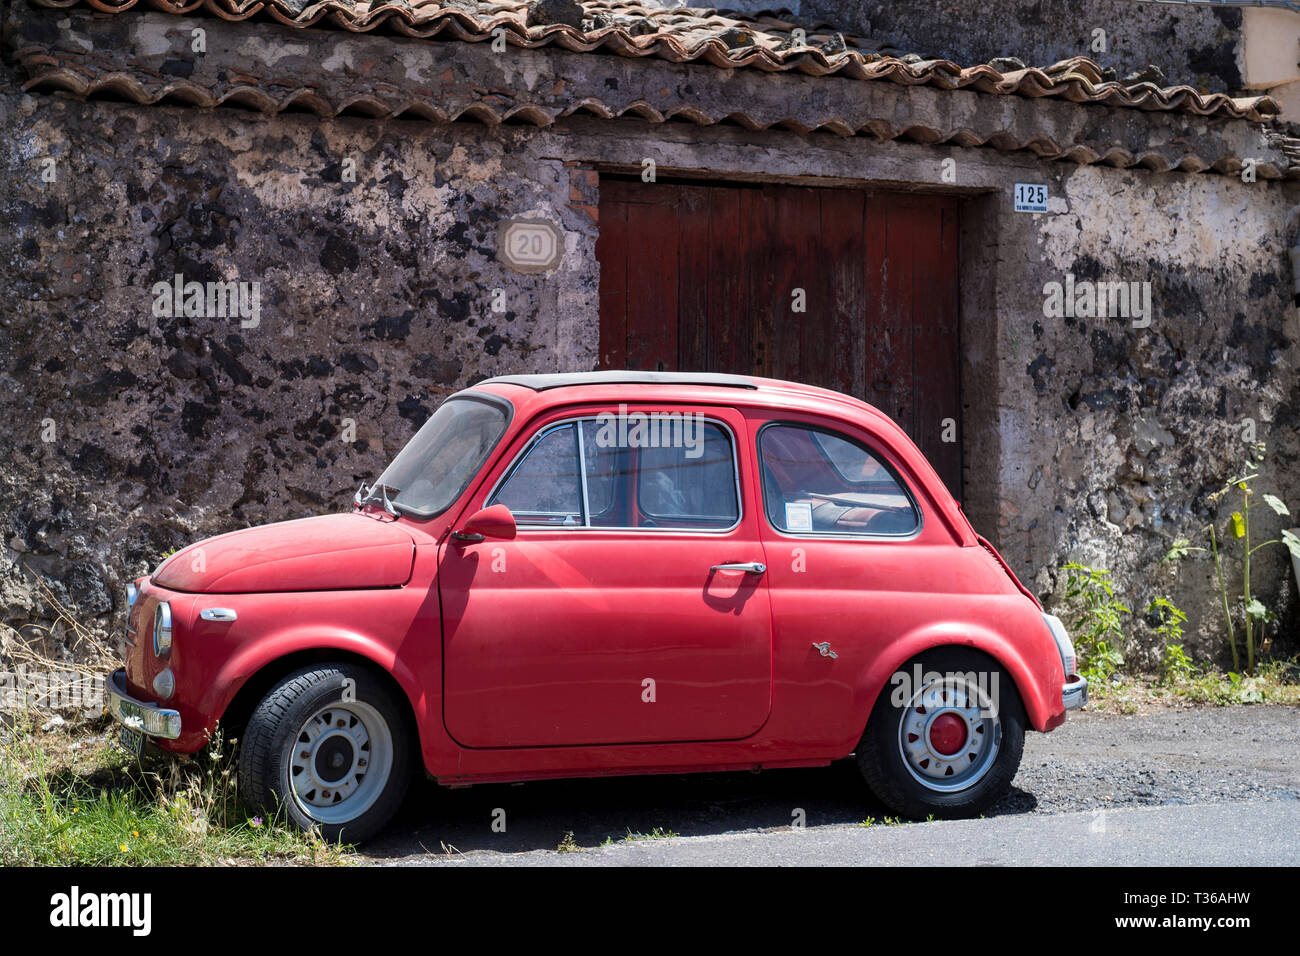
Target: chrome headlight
1069,660
162,629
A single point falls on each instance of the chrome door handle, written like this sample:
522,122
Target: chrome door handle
753,567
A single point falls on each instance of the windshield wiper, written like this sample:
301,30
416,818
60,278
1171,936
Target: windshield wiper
365,495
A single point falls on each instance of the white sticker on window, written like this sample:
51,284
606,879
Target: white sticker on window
798,516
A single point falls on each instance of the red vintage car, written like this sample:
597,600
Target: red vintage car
579,575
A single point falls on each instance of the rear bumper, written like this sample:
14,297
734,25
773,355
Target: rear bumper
1075,694
149,719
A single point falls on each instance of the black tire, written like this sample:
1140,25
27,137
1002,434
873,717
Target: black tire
316,694
880,755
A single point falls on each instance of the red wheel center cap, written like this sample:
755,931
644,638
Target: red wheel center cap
947,734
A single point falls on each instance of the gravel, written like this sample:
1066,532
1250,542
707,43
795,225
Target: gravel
1167,757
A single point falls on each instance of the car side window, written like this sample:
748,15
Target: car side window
821,482
675,473
689,485
545,486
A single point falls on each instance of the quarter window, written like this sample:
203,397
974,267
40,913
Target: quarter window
607,473
545,487
820,482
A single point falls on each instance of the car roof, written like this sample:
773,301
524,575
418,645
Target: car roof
542,383
558,388
758,390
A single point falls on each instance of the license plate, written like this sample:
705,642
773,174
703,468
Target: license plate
132,741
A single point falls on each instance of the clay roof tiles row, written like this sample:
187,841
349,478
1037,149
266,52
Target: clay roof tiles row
770,41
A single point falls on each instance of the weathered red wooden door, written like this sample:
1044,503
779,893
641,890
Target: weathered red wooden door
840,288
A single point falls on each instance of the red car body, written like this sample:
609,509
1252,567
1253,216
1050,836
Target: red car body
526,657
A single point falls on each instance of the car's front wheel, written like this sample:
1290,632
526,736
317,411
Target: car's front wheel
329,746
945,736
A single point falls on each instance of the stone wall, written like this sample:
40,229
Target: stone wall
1114,438
128,435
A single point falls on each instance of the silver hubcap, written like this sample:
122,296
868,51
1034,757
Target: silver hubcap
339,761
947,735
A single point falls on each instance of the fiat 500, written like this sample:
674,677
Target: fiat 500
578,575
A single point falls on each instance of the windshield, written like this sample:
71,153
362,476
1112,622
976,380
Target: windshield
430,473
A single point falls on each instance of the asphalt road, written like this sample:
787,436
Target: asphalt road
1257,833
1207,787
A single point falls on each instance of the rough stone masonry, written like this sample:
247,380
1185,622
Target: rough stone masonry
128,434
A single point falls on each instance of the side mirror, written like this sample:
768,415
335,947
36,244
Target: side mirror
494,522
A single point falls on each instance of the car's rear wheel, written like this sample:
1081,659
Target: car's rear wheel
329,746
945,736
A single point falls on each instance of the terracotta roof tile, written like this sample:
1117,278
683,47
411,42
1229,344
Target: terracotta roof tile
764,41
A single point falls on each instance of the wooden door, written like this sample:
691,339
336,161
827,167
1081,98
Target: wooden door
841,288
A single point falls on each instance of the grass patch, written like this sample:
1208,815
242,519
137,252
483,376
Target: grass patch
885,822
82,801
1187,684
658,833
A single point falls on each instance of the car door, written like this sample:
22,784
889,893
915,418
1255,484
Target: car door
631,606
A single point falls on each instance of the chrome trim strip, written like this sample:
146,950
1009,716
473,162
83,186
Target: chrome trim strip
132,595
1075,694
582,474
218,614
1064,646
150,719
162,625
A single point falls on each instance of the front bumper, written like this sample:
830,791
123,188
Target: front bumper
1075,694
149,719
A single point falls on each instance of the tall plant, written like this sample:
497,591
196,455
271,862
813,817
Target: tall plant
1096,621
1256,615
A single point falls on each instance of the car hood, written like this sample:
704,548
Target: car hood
326,553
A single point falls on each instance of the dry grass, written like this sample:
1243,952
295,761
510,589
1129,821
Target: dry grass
64,650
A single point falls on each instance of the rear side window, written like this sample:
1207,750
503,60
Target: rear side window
821,482
639,473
